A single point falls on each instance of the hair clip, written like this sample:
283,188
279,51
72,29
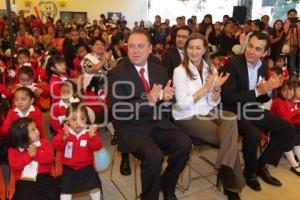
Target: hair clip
22,125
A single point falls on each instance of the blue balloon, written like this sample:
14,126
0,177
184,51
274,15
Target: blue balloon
102,160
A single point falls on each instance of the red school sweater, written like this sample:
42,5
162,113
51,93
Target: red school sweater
83,147
55,85
19,158
287,110
58,113
33,113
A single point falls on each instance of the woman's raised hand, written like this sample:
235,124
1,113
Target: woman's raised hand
220,79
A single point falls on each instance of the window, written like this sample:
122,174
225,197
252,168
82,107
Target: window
173,8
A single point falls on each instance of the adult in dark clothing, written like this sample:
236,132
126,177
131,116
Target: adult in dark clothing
142,131
227,40
243,92
69,49
116,47
277,39
155,29
206,26
174,29
214,35
173,57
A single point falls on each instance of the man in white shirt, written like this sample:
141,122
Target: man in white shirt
246,89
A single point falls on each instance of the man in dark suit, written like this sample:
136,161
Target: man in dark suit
173,57
246,88
138,90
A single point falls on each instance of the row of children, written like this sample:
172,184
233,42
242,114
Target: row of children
31,158
286,106
24,127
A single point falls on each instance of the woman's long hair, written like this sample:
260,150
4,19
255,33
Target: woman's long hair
185,62
274,32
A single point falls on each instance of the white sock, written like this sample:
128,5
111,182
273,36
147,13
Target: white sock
65,196
290,156
95,195
297,151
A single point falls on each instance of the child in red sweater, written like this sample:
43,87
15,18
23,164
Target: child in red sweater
37,64
23,107
23,58
285,107
30,159
56,73
78,143
280,62
81,51
41,90
59,109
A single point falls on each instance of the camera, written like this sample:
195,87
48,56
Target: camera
105,68
293,21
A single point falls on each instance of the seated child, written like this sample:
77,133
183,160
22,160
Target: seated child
59,109
23,107
77,143
284,106
37,64
56,73
23,58
280,62
41,90
215,61
30,159
81,51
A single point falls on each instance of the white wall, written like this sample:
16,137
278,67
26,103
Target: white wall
134,10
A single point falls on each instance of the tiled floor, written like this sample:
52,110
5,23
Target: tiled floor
200,189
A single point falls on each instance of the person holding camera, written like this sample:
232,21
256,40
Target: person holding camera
292,42
292,28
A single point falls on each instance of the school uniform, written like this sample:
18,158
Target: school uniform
77,67
14,113
285,73
98,102
5,93
13,73
39,71
79,174
58,114
289,111
3,74
55,84
39,101
44,187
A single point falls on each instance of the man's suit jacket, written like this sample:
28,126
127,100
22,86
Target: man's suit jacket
171,59
235,91
130,96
